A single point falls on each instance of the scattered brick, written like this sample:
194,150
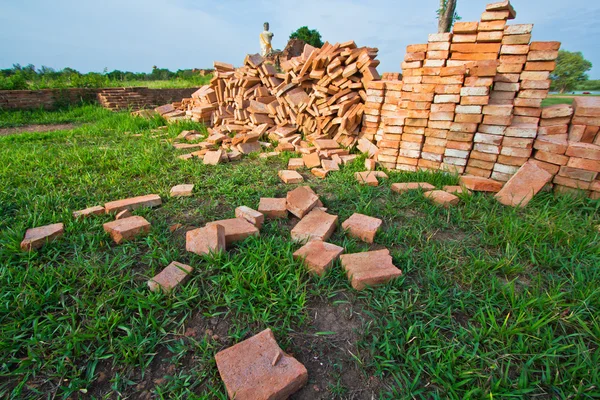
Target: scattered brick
320,172
316,225
151,200
213,157
272,207
311,160
96,210
35,238
249,370
456,189
236,229
254,217
442,198
480,184
205,240
127,228
405,187
169,278
123,214
175,227
182,190
318,255
288,176
301,200
369,177
523,185
369,268
295,163
362,227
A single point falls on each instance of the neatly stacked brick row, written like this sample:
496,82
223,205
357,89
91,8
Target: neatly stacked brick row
372,110
390,129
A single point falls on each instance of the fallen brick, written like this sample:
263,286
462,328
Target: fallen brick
311,160
406,186
320,172
210,239
525,184
248,372
362,227
127,228
182,190
96,210
289,176
236,229
169,278
295,163
318,255
123,214
35,238
301,200
442,198
479,184
272,207
254,217
370,268
456,189
369,177
151,200
316,225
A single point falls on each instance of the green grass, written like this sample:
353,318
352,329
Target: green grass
494,302
165,84
550,101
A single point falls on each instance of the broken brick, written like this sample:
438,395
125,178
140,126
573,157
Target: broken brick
173,275
362,227
316,225
182,190
205,240
272,207
151,200
123,214
35,238
301,200
127,228
369,268
318,255
96,210
254,217
288,176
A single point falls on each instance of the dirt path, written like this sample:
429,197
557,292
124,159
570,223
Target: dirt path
36,128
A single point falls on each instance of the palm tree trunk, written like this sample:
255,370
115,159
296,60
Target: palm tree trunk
446,15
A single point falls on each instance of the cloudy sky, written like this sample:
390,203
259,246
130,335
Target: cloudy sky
134,35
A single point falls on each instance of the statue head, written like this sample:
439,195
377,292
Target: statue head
266,26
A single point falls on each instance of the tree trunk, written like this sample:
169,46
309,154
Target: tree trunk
446,15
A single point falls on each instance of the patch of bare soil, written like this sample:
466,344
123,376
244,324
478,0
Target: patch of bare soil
36,128
327,348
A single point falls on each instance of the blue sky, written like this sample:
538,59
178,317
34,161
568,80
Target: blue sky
134,35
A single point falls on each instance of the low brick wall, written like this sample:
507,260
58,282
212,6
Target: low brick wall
112,98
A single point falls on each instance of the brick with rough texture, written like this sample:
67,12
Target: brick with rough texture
289,176
254,217
442,198
127,228
236,229
37,237
316,225
369,268
169,278
123,214
479,184
150,200
523,185
295,163
318,255
456,189
311,160
369,177
182,190
362,227
272,207
406,186
96,210
205,240
301,200
248,372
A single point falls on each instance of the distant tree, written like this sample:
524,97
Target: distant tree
310,36
447,15
571,68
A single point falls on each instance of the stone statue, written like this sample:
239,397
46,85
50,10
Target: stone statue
265,41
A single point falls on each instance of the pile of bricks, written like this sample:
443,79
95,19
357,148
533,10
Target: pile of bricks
320,94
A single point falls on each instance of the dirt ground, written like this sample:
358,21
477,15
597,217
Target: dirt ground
36,128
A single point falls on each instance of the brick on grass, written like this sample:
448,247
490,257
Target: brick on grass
150,200
272,207
257,368
370,164
369,177
201,241
369,268
330,165
213,157
442,198
169,278
479,184
35,238
319,172
311,160
316,225
123,214
96,210
236,229
456,189
406,186
289,176
127,228
182,190
523,185
254,217
301,201
318,255
362,227
295,163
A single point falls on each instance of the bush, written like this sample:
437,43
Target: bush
310,36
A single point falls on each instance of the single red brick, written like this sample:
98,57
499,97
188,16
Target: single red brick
272,207
289,176
301,200
369,177
584,150
404,187
362,227
182,190
523,185
456,189
311,160
316,225
96,210
127,228
480,184
123,214
442,198
37,237
151,200
295,163
370,268
254,217
205,240
318,255
248,372
174,274
236,229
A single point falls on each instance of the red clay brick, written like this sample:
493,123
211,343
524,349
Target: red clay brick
370,268
35,238
169,278
254,217
362,227
273,208
127,228
182,190
288,176
151,200
96,210
301,200
479,184
318,255
442,198
523,185
205,240
236,229
316,225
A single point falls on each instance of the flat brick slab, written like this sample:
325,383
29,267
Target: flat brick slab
301,200
96,210
257,368
456,189
272,207
127,228
442,198
406,186
526,183
316,225
173,275
362,227
254,217
205,240
319,172
213,157
479,184
318,255
236,229
370,268
289,176
150,200
295,163
311,160
369,177
123,214
37,237
182,190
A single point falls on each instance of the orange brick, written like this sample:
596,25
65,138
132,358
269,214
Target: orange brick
545,46
542,55
540,66
490,36
474,56
492,26
465,27
476,48
516,39
464,38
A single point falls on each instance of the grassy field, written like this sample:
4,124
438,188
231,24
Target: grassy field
494,302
